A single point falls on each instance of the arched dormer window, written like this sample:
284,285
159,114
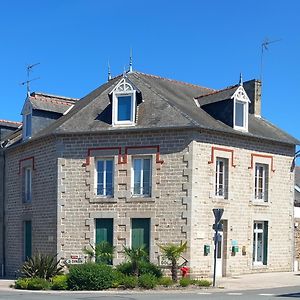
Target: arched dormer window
27,120
124,104
240,109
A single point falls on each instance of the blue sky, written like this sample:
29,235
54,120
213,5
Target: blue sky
203,42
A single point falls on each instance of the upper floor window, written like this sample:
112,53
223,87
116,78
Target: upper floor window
141,177
27,185
240,109
124,103
261,182
104,177
221,178
27,126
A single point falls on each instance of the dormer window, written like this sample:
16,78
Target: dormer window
124,104
240,110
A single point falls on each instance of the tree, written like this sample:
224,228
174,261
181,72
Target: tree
103,253
135,256
173,252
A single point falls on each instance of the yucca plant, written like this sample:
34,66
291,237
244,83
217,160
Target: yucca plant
136,256
42,266
103,252
173,252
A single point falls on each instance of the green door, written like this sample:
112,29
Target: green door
27,239
140,234
104,231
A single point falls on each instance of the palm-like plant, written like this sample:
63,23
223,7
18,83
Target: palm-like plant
136,256
173,252
42,266
103,252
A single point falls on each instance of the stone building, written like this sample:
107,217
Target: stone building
144,160
297,217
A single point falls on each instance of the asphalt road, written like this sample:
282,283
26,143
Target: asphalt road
279,293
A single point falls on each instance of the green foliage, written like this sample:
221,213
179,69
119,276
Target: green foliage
117,278
202,282
145,267
90,276
129,282
102,252
147,281
60,282
136,256
42,266
173,252
185,281
21,283
166,281
38,284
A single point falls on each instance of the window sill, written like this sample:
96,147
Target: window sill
260,203
259,266
103,199
220,199
140,199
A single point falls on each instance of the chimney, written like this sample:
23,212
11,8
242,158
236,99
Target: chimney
253,90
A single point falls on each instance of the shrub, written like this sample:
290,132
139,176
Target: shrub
147,281
202,282
90,276
136,256
129,282
60,282
117,278
21,283
38,284
145,267
102,252
166,281
184,282
41,266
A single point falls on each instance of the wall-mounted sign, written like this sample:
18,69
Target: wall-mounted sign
74,260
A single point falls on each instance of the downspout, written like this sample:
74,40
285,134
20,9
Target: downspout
3,213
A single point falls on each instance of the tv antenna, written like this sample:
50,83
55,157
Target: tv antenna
27,82
265,46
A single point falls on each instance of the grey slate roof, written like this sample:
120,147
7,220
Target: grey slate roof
166,103
11,124
52,103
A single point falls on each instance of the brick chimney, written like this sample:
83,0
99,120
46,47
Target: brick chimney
253,90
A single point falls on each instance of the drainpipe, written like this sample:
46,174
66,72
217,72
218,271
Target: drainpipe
2,153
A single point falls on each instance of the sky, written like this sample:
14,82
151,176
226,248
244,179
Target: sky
202,42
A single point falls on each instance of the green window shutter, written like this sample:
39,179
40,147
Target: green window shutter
27,239
140,233
265,258
104,231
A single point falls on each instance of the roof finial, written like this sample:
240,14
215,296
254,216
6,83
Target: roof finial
241,79
124,71
130,61
109,73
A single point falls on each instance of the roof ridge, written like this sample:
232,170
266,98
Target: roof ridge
11,122
55,101
217,91
54,96
176,81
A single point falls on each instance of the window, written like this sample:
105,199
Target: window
240,109
104,177
240,114
27,126
260,243
27,239
261,182
124,103
141,177
221,180
27,185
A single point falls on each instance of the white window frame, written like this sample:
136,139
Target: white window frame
263,196
27,177
224,176
256,232
245,115
105,195
26,119
141,185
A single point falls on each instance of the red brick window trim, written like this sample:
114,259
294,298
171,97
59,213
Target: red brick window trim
25,162
220,149
262,156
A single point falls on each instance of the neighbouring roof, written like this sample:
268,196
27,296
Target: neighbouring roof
11,124
52,103
166,104
297,186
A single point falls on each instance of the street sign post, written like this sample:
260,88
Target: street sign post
217,226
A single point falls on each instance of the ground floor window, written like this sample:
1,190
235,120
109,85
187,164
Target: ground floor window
260,242
140,233
27,239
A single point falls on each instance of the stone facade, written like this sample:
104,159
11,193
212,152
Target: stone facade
64,206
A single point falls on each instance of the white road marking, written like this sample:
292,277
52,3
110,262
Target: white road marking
266,294
203,293
235,294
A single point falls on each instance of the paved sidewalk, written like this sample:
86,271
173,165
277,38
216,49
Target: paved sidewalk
260,281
